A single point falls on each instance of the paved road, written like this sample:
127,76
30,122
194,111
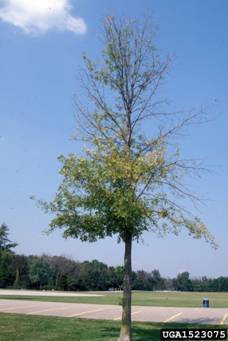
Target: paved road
22,292
112,312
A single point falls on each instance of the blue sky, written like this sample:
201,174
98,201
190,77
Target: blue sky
40,58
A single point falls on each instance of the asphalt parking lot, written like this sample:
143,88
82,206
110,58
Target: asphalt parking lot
112,312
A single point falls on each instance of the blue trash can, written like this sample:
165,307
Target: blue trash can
206,302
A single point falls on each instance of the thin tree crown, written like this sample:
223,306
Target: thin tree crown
126,182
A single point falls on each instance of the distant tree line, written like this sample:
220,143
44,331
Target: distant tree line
62,273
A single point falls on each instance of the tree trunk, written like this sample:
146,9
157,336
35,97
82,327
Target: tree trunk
17,277
125,332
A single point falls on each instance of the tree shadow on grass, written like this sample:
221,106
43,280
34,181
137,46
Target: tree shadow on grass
139,333
142,334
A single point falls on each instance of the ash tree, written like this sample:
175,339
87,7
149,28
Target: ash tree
130,177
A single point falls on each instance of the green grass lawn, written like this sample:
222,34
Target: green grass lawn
144,298
42,328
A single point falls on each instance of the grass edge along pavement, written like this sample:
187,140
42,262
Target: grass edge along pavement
16,327
142,298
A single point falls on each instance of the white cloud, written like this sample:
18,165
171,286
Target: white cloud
40,16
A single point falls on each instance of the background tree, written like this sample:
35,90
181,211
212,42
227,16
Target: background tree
65,272
41,273
158,281
119,275
5,242
7,269
183,282
7,273
142,280
129,178
21,265
61,273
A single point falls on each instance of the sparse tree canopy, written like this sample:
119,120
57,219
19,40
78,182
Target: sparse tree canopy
5,243
128,181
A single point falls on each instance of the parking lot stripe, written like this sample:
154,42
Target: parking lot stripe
86,312
223,319
136,312
173,317
5,309
120,317
46,310
3,304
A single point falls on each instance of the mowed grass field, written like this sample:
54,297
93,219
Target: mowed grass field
42,328
143,298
